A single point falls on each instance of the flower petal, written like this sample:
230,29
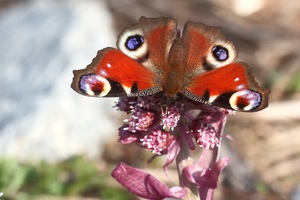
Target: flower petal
204,177
178,192
187,135
144,184
173,151
125,136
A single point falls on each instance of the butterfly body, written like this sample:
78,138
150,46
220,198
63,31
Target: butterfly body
153,57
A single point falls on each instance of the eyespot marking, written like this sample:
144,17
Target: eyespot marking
220,53
94,85
134,42
246,100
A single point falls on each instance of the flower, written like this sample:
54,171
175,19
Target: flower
145,125
140,120
157,141
206,136
172,115
155,122
172,127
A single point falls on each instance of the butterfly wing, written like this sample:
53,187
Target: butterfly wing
212,74
135,68
232,87
113,74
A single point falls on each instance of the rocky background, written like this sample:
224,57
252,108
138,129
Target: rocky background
42,41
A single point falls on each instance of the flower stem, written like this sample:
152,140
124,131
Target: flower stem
208,159
183,159
211,156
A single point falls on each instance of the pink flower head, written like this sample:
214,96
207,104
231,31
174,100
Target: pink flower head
125,104
172,114
148,124
154,122
140,119
206,136
164,126
157,141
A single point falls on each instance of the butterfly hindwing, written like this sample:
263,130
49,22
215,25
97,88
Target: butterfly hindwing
232,87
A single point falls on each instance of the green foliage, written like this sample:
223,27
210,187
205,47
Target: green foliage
294,85
76,177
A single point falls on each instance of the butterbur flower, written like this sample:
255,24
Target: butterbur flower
146,126
157,141
125,104
206,136
166,128
171,116
140,120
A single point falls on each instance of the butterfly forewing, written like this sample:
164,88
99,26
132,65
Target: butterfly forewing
114,74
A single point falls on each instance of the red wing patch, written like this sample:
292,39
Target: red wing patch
231,86
112,73
225,79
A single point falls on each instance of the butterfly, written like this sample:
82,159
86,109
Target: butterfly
153,56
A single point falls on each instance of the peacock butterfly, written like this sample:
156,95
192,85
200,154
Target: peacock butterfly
153,57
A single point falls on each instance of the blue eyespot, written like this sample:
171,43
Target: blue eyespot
134,42
220,53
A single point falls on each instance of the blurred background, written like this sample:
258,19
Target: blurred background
56,144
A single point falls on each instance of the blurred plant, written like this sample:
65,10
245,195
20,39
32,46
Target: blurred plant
173,129
75,176
294,85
